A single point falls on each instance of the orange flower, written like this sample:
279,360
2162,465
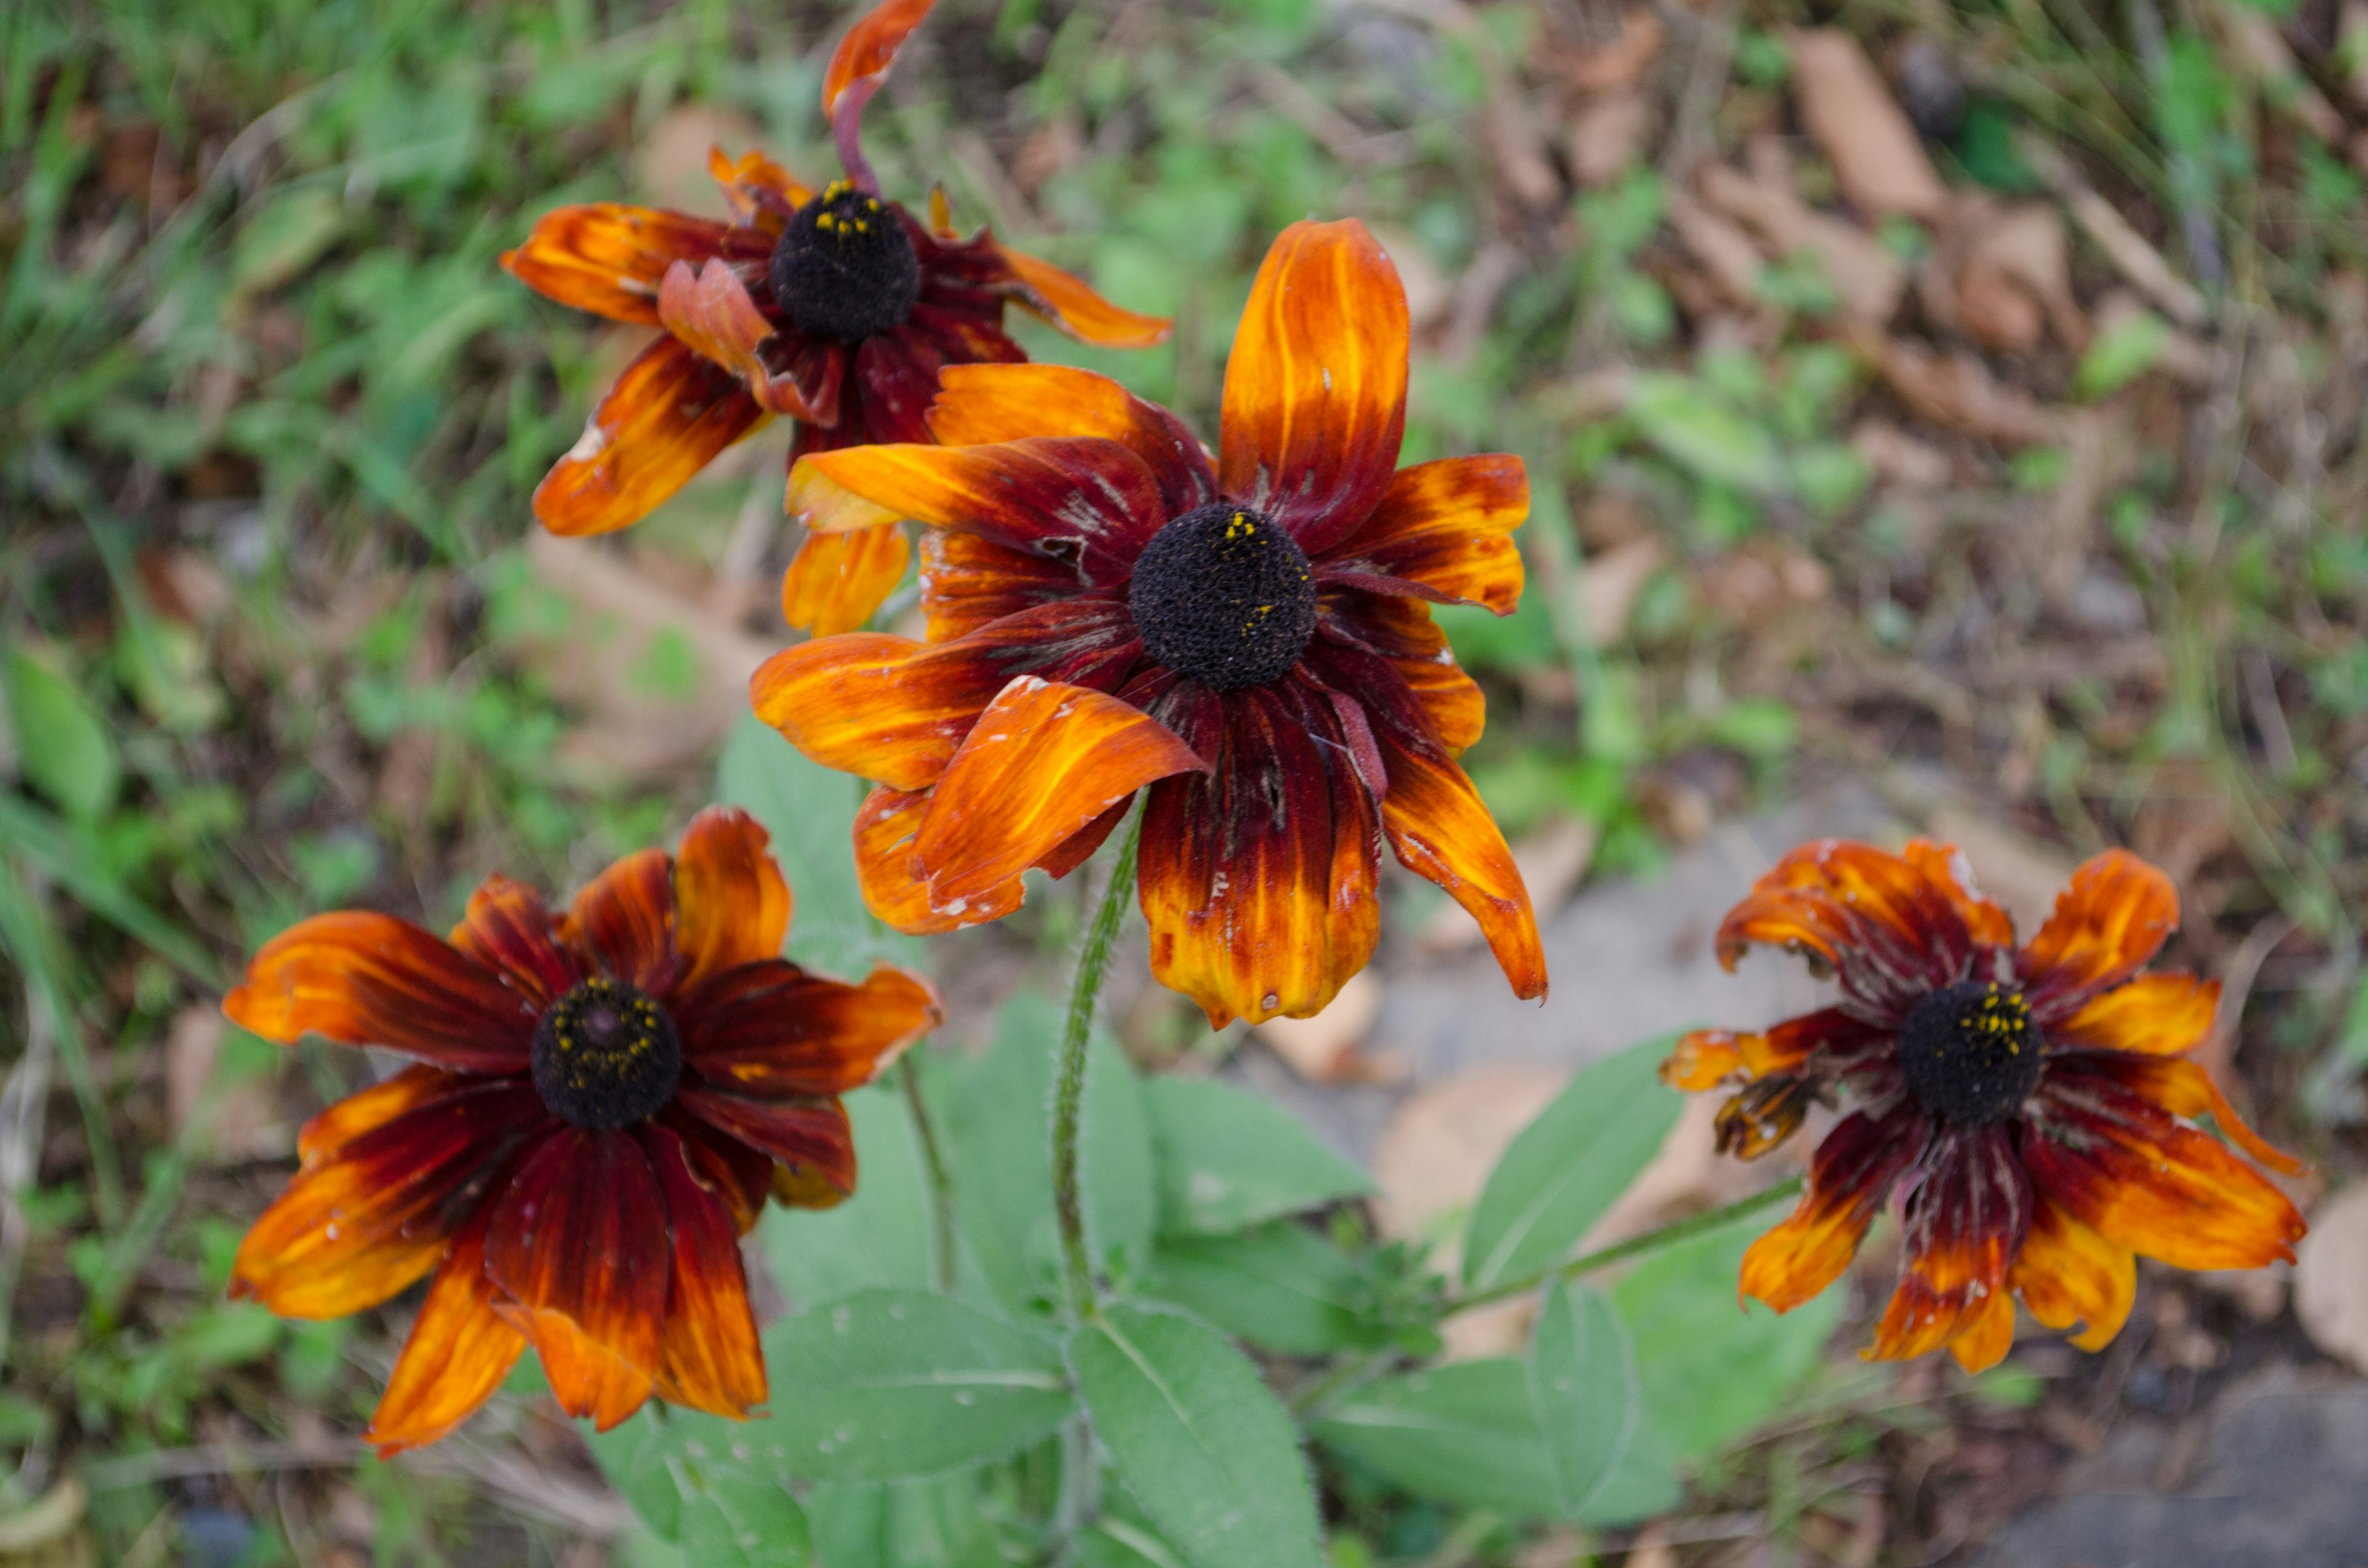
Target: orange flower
2029,1105
602,1101
1107,611
836,308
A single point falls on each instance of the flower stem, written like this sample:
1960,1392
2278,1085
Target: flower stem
941,1186
1069,1086
1636,1246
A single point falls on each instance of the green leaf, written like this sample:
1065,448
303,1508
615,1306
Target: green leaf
1282,1286
61,742
1467,1433
1228,1159
1565,1167
1710,1371
810,811
1199,1438
1696,428
743,1521
891,1383
930,1523
633,1455
2120,355
1583,1390
879,1237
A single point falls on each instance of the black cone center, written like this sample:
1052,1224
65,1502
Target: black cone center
1970,1054
605,1056
1224,595
845,268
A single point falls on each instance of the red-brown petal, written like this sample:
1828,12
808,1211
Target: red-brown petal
772,1029
1445,525
1849,1179
1314,398
360,978
869,47
709,309
578,1250
2113,917
2154,1014
1043,760
2184,1088
625,920
977,405
1948,868
458,1353
740,1176
667,417
359,1112
839,581
609,258
1067,302
1442,832
509,927
709,1358
885,830
1965,1218
2069,1274
882,706
1894,936
367,1220
810,1134
1704,1057
967,582
732,906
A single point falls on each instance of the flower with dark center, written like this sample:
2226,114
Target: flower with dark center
2028,1107
1248,640
600,1103
836,308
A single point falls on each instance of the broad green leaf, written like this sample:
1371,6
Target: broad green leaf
931,1523
1228,1159
891,1383
1199,1440
1564,1169
810,811
633,1455
61,742
1282,1286
732,1520
1696,428
879,1237
1583,1388
1710,1370
1467,1433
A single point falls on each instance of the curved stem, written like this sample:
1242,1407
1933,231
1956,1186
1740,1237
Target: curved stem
1637,1246
1069,1085
941,1186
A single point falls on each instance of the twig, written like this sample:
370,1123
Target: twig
941,1185
1636,1246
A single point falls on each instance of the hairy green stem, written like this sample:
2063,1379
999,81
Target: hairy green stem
941,1185
1069,1085
1636,1246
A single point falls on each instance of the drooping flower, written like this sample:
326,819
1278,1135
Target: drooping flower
2029,1106
834,307
1251,641
601,1102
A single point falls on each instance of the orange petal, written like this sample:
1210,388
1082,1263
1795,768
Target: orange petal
760,191
1892,934
1063,300
370,1219
2154,1014
810,1134
2128,1169
1458,709
981,403
509,928
365,979
709,1356
879,706
839,580
2184,1088
458,1353
2069,1274
1964,1219
869,47
2115,917
772,1029
710,309
357,1113
578,1249
1447,526
666,418
1764,1114
1078,497
1704,1057
1946,867
1259,879
967,582
1315,400
1701,1060
625,918
1986,1332
1441,831
885,830
1043,760
731,904
609,259
1849,1178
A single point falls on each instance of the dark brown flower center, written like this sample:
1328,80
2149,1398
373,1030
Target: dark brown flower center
605,1056
1970,1052
845,268
1224,595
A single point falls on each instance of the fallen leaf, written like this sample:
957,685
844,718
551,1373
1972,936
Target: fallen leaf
1866,279
2014,276
1610,582
1758,581
1652,1549
1723,248
2330,1286
1957,390
1323,1049
1611,64
232,1121
1551,862
1876,156
1898,458
671,165
2260,52
1607,136
1429,294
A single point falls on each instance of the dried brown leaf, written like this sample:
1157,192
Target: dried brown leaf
1866,277
1867,139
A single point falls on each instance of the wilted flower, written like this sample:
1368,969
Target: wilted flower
834,307
1251,641
2025,1104
600,1103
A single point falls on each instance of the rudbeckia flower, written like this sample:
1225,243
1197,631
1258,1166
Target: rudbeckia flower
834,307
599,1103
1106,610
2028,1106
